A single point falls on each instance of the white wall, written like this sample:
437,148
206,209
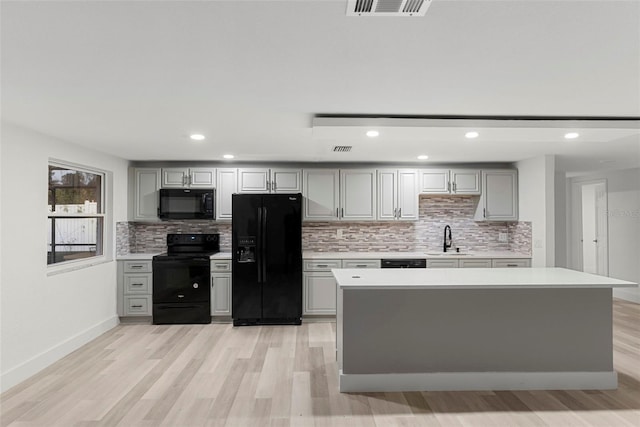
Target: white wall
536,189
623,197
44,317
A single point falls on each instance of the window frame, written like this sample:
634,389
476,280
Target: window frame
103,232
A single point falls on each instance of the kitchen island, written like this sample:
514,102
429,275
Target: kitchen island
474,329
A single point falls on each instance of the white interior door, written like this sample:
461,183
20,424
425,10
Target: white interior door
594,229
589,237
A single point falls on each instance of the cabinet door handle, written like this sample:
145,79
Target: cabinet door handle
337,213
136,306
136,284
512,265
361,265
484,212
274,186
454,186
322,266
448,186
341,212
399,213
268,185
135,267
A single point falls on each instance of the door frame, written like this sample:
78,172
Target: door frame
575,225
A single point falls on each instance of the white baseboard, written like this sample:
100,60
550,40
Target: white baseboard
39,362
470,381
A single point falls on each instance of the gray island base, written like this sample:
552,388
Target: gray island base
474,329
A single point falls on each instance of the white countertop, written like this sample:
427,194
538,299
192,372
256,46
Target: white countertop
137,257
473,278
149,256
221,255
397,255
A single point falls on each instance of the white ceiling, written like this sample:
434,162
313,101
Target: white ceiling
136,78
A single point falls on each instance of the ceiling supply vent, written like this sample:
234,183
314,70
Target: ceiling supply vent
342,148
387,7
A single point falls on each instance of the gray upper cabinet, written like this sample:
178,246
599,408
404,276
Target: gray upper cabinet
145,183
397,194
434,181
188,177
465,181
332,194
286,180
227,179
499,201
253,180
265,180
358,194
450,181
321,190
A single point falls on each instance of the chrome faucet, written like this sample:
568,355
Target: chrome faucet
447,245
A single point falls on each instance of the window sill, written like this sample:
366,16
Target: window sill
68,266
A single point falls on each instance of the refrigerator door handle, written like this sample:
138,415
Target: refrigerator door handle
264,245
259,253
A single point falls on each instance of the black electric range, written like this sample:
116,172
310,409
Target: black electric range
182,279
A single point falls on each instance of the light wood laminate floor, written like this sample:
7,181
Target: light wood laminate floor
217,375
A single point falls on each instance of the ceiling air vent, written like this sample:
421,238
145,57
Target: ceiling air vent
342,148
387,7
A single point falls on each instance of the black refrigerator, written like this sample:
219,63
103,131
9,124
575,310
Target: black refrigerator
267,259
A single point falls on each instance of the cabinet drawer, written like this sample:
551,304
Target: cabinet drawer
475,263
322,264
137,306
513,263
361,263
137,283
222,265
442,263
137,266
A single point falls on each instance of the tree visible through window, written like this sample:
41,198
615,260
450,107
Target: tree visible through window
76,214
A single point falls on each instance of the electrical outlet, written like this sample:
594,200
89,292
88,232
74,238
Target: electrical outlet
339,233
502,237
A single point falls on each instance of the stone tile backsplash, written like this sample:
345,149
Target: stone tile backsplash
426,234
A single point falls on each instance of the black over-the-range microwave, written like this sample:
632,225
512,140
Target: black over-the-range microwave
186,203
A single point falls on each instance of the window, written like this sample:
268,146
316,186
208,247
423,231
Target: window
76,213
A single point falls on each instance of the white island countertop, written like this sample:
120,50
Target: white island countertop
473,278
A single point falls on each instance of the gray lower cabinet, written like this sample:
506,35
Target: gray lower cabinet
320,288
442,263
474,263
319,293
135,281
511,263
221,287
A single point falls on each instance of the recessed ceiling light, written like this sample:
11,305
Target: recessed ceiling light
196,137
571,135
228,156
372,133
423,157
471,135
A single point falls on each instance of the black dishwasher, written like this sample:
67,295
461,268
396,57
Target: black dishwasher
404,263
